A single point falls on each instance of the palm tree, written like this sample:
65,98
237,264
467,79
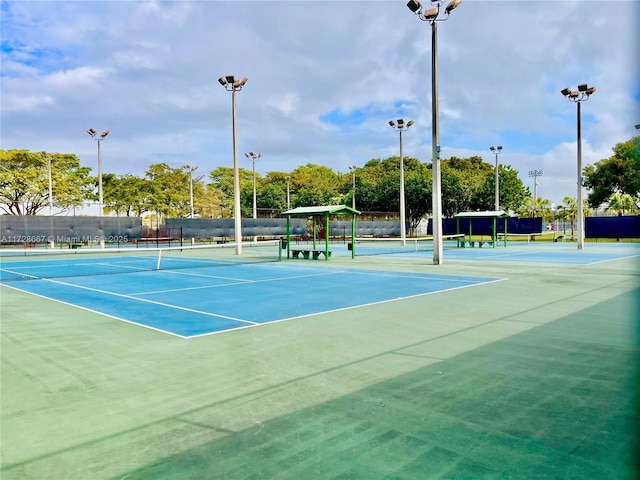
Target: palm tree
621,204
570,211
538,208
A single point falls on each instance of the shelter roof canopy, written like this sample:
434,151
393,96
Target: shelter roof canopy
321,210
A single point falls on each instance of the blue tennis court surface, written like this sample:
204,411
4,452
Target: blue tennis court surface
533,252
194,302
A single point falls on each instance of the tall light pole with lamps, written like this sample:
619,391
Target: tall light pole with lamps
578,96
535,174
254,156
94,134
431,16
288,179
497,150
49,158
400,127
353,169
232,85
190,169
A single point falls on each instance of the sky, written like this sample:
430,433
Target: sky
324,79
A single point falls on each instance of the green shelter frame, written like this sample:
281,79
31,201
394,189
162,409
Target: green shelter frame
495,215
325,211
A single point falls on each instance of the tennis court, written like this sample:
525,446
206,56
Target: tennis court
197,294
390,367
531,251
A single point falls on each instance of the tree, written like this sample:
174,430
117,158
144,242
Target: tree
619,173
24,181
314,185
222,178
169,190
512,191
127,194
570,211
209,201
538,208
621,204
418,192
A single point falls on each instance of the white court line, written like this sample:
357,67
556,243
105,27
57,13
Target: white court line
350,307
190,310
418,276
238,282
612,259
96,312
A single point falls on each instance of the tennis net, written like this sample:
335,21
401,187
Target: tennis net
387,246
30,264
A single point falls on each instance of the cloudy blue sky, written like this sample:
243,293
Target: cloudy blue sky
325,77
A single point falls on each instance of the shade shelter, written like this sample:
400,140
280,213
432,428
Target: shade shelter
493,216
317,215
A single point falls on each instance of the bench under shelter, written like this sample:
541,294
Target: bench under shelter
319,216
470,216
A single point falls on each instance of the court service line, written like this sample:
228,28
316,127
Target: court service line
417,276
239,282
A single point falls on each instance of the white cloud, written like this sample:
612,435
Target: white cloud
75,78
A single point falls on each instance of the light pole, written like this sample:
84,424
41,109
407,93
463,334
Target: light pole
353,169
254,156
578,96
431,16
232,85
190,169
400,127
497,151
288,196
94,134
535,174
49,158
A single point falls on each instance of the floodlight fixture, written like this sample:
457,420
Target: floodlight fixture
393,124
409,123
414,5
430,14
582,87
104,134
566,91
452,5
638,126
222,81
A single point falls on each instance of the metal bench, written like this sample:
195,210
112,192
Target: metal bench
308,252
